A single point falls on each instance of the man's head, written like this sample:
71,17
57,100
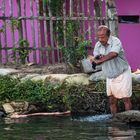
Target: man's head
103,34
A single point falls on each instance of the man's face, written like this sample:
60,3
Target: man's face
102,37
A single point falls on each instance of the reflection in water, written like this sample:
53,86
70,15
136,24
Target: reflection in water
116,133
99,127
20,120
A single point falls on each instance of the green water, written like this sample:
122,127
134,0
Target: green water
66,128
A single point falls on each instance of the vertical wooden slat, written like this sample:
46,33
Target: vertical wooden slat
97,14
71,8
83,14
12,28
25,24
2,10
39,33
20,23
51,32
4,33
64,22
0,49
89,22
46,31
78,14
33,32
57,45
20,31
57,42
111,14
24,14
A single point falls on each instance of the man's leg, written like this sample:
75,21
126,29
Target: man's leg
113,104
127,103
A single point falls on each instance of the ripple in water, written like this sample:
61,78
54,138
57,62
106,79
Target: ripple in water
95,118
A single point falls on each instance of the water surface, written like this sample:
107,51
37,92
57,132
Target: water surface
99,127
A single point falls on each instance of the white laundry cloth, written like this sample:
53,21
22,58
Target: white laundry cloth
121,86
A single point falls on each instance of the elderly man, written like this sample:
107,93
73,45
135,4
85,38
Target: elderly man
115,67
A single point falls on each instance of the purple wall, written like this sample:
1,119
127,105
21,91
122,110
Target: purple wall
129,33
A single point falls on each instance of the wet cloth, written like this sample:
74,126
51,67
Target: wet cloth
121,86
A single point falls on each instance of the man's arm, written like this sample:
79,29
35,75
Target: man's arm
107,57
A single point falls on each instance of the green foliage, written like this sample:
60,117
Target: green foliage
100,86
15,24
68,33
73,93
30,91
76,44
23,50
54,96
56,7
7,87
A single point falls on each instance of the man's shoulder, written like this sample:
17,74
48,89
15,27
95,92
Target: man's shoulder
98,44
114,38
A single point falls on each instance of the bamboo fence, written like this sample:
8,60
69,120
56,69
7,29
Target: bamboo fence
36,26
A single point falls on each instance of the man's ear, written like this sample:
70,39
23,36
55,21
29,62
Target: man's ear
108,32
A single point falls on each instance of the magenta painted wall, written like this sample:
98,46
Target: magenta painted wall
129,33
128,7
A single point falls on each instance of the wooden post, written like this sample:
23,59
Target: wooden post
46,53
20,22
20,30
71,8
25,25
83,14
4,31
97,15
33,32
39,34
111,14
12,28
0,49
51,32
64,23
89,22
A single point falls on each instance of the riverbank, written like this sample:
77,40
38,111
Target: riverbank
33,89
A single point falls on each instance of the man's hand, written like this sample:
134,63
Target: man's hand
97,61
104,58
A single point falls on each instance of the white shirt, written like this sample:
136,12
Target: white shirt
116,66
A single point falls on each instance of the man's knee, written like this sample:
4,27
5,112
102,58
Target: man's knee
127,100
112,100
127,103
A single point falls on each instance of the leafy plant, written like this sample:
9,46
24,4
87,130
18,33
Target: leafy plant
76,45
73,93
23,50
100,86
7,87
55,97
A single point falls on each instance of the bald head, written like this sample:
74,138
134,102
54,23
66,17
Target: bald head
103,34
